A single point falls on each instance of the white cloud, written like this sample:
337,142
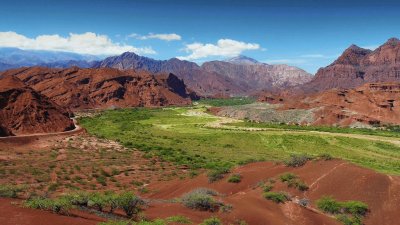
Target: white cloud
224,47
370,47
86,43
164,37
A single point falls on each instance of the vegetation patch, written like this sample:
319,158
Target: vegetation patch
218,102
212,221
293,181
277,197
235,178
201,199
297,160
349,212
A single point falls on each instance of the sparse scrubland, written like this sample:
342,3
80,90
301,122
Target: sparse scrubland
180,135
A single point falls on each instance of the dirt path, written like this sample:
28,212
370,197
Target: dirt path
74,131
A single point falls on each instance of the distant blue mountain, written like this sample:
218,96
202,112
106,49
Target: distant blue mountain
15,57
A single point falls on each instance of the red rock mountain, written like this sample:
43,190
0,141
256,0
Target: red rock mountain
202,82
77,88
238,76
24,111
357,66
254,76
372,104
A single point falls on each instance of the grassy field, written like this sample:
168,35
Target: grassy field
179,135
227,102
388,132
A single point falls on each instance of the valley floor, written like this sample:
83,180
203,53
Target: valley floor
162,154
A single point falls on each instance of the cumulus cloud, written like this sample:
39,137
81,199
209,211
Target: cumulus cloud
224,47
164,37
86,43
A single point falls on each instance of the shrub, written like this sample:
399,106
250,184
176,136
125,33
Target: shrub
130,203
287,177
347,220
178,219
112,200
297,160
212,221
55,205
235,178
201,199
329,205
355,208
217,174
325,156
10,191
98,201
277,197
78,198
267,188
102,180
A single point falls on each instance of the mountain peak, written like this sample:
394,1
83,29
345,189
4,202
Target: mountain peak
242,60
392,41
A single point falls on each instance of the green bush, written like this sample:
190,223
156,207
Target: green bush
297,160
355,208
235,178
130,203
201,199
10,191
178,219
349,220
287,177
78,198
216,174
267,188
325,156
55,205
329,205
98,200
278,197
212,221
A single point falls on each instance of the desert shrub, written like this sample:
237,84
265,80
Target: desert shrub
235,178
293,181
10,191
267,188
98,201
297,160
216,174
130,203
56,205
212,221
329,205
78,198
287,177
178,220
102,180
278,197
112,200
349,220
325,156
201,199
355,208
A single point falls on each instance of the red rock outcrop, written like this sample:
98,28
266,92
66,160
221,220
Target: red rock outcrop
25,111
357,66
77,88
373,104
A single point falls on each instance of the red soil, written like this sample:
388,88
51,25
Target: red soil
12,214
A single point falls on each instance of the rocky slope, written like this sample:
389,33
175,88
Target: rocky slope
77,88
257,76
357,66
25,111
371,104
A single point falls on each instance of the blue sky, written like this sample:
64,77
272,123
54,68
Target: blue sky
308,34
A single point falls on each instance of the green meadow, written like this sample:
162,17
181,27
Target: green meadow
180,135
